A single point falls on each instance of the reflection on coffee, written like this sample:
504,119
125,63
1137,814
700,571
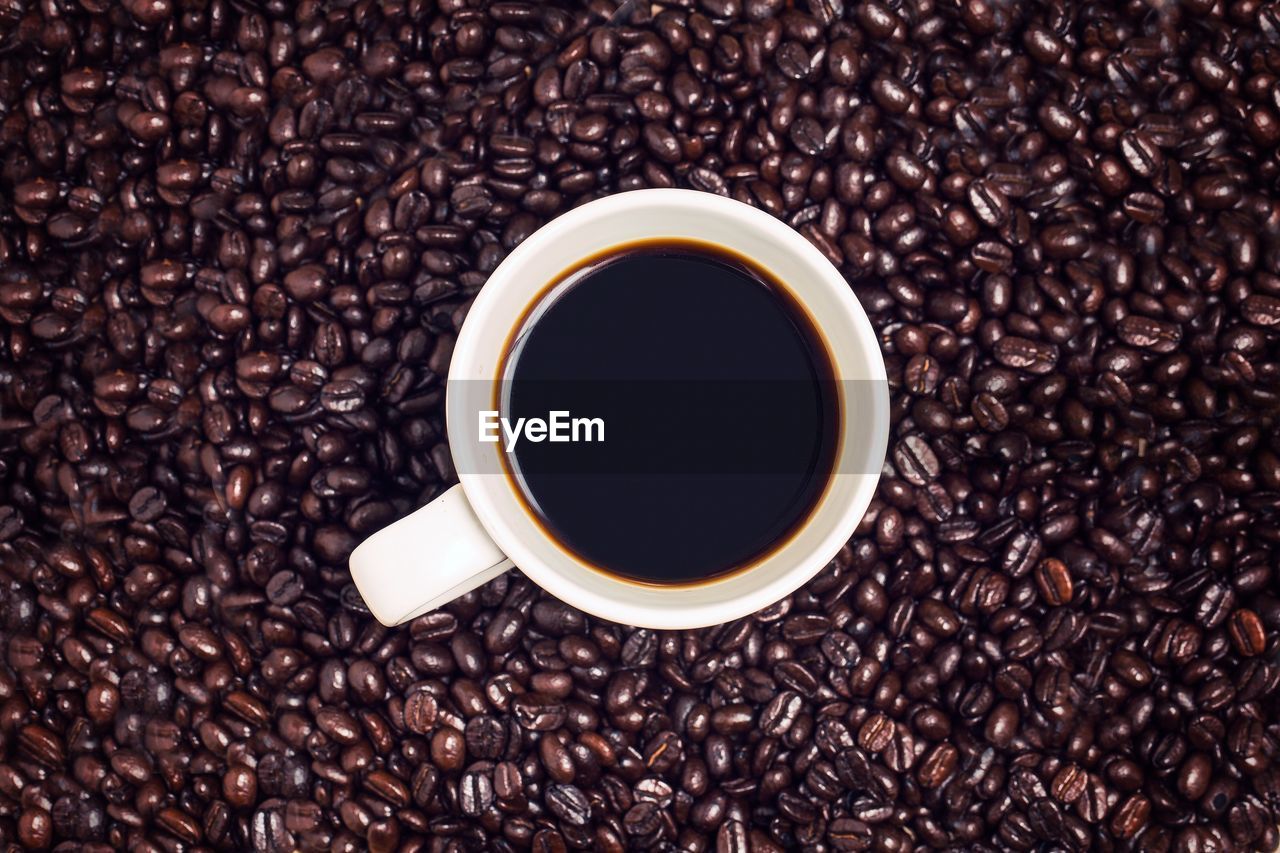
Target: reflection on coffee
721,405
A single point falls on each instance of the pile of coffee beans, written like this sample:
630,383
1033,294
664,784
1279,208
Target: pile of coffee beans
238,238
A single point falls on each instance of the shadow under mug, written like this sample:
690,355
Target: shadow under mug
479,528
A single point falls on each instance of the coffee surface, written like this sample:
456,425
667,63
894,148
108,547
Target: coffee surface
718,404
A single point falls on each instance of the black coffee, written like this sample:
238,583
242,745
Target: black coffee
698,412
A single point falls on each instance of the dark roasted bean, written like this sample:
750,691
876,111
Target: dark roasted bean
1247,633
1054,580
569,804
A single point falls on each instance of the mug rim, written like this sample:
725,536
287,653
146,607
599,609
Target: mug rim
492,502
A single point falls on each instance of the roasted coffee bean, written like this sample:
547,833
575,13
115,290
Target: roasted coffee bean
1068,784
569,804
538,713
147,504
1131,816
1157,335
850,834
1054,581
989,413
1261,310
988,202
1024,354
875,733
937,766
921,374
420,712
916,460
475,793
1247,633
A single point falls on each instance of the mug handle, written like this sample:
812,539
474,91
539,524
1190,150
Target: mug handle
425,560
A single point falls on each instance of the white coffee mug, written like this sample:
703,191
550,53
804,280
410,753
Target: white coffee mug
480,528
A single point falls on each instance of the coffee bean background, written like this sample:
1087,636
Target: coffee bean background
237,240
